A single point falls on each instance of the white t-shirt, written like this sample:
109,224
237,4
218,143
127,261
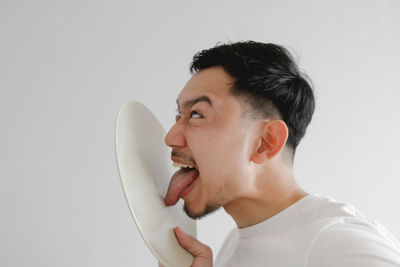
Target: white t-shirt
313,232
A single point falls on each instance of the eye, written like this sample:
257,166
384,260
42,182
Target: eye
195,112
178,115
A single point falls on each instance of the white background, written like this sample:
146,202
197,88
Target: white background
67,67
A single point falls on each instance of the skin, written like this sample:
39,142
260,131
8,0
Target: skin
243,164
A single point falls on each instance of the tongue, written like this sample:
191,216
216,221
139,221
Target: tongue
179,181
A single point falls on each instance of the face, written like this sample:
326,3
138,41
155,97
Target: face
214,138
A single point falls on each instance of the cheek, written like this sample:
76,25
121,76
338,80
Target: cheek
225,157
219,153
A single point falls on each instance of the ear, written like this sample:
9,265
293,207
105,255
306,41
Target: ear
271,141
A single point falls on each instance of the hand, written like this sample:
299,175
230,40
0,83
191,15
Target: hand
202,254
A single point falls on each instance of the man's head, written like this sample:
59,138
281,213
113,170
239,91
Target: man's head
254,111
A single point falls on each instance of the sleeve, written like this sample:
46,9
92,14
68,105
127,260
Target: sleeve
345,245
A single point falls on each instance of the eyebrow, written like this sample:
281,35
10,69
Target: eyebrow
189,103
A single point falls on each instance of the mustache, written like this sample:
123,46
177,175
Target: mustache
183,156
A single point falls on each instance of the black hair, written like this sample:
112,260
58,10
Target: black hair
268,80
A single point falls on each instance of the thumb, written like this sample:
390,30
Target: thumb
202,253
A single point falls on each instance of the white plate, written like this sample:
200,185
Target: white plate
145,168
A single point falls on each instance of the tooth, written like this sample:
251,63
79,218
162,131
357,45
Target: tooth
180,165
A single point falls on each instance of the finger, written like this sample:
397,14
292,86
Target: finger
192,245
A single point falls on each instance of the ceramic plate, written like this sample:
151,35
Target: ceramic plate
145,168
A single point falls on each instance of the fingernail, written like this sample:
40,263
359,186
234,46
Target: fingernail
178,229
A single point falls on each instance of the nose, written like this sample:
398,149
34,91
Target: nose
175,136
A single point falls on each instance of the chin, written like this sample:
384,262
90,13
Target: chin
200,213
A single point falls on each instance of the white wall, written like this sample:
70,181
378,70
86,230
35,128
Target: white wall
66,68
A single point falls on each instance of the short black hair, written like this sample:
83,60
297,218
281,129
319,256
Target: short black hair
268,80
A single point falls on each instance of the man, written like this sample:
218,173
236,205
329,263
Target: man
240,118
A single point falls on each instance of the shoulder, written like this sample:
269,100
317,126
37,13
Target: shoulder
354,242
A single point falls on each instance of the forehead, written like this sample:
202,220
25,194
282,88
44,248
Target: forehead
213,82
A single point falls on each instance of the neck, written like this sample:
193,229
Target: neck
272,195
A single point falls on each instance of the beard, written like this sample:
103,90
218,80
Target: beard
209,208
200,214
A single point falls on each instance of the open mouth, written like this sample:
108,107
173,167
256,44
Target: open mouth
185,169
188,188
181,184
185,190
